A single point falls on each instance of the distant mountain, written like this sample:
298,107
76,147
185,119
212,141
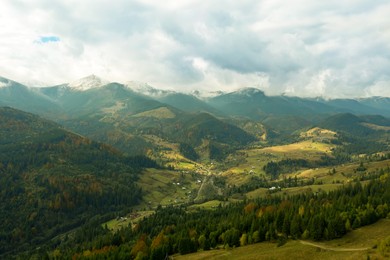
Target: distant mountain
379,103
96,99
182,101
353,106
147,90
19,96
87,83
253,103
123,114
56,180
188,103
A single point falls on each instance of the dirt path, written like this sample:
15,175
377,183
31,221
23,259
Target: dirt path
337,249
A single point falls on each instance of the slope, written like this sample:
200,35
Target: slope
19,96
54,180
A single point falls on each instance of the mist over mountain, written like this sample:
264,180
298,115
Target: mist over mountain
91,92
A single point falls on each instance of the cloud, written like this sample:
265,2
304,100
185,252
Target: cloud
298,47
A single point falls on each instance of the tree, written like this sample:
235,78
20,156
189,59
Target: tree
231,237
202,242
256,237
317,227
243,239
286,225
295,227
140,247
186,246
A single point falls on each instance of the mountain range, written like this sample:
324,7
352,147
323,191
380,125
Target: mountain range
76,157
123,115
249,102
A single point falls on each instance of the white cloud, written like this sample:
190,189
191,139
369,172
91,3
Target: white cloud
298,47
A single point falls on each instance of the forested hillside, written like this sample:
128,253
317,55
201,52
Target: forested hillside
53,180
316,216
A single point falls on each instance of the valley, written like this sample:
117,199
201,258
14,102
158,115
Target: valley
93,169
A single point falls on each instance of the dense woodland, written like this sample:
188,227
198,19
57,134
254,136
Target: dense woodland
53,181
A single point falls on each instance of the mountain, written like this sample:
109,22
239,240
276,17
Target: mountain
362,134
123,115
19,96
347,123
249,102
94,95
379,103
353,106
147,90
203,125
87,83
188,103
57,180
254,104
118,115
185,102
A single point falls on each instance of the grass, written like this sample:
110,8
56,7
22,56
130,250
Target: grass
253,160
365,237
300,149
266,250
162,187
263,192
344,173
212,204
162,112
125,221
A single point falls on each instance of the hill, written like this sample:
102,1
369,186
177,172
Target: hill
56,180
359,134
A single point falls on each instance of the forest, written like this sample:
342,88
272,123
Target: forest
316,216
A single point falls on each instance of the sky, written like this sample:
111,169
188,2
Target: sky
297,47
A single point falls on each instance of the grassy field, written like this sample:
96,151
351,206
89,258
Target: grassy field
262,192
125,221
344,173
162,112
167,187
212,204
358,244
252,161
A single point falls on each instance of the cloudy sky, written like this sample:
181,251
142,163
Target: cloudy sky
296,47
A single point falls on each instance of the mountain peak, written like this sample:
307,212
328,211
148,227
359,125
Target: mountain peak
89,82
249,91
4,83
146,89
207,94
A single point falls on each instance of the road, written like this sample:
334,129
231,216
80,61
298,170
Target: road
337,249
